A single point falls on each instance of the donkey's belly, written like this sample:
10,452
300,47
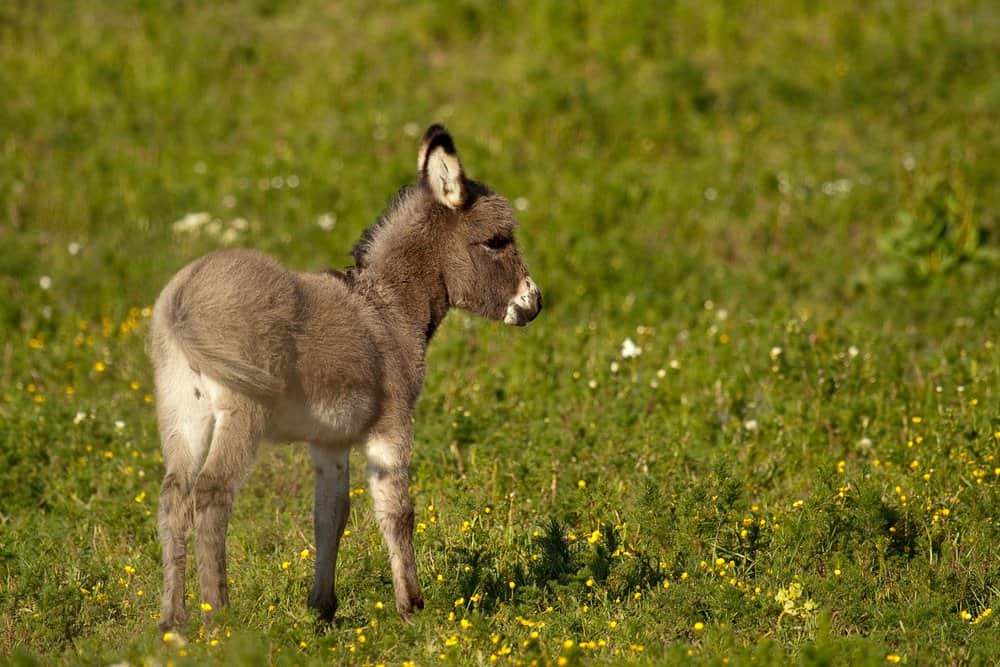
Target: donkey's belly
341,423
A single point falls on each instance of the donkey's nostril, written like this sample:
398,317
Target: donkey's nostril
525,305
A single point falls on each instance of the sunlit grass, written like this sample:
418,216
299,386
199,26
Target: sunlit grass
756,421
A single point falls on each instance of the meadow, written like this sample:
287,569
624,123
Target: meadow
758,421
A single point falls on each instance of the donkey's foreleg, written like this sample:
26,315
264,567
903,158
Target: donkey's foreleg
330,510
174,521
388,478
238,425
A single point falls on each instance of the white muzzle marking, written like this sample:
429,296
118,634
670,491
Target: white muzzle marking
525,305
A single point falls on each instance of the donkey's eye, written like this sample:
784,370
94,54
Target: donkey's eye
498,242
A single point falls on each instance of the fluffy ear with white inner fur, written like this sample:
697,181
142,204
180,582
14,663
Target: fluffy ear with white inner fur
440,169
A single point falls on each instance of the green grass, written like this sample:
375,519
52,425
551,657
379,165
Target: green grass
790,206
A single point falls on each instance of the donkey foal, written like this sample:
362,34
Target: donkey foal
246,350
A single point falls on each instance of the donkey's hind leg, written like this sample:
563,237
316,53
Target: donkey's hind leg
174,521
330,510
185,427
238,427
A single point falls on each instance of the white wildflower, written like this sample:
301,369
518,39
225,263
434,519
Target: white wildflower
784,184
629,349
45,282
750,425
521,204
327,221
191,222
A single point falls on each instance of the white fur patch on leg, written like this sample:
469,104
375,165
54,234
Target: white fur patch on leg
383,454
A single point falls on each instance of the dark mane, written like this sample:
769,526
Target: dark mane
406,196
360,250
346,275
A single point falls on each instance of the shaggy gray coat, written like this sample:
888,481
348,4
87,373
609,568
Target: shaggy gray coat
245,350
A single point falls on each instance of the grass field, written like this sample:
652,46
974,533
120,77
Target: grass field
790,207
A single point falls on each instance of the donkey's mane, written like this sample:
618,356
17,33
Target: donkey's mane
362,248
408,204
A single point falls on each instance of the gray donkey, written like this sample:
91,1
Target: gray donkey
245,350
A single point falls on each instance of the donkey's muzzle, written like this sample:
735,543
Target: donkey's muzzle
525,305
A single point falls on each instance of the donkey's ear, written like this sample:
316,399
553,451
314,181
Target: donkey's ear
439,168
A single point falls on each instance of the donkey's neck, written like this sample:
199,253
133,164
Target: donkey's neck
399,268
410,291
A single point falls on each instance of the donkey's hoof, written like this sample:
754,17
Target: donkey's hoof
324,606
172,621
407,608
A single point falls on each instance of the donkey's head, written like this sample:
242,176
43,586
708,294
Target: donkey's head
482,267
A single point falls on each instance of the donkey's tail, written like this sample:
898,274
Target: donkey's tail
223,363
212,353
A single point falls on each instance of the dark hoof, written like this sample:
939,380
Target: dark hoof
324,606
406,609
171,622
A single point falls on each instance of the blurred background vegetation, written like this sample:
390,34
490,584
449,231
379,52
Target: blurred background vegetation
791,207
